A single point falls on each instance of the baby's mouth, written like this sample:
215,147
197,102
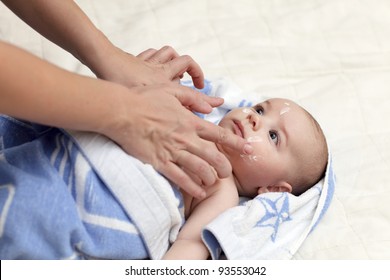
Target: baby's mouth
238,129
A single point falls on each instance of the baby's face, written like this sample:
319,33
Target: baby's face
278,130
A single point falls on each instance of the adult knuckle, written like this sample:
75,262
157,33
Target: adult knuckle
187,57
167,47
182,177
219,159
202,168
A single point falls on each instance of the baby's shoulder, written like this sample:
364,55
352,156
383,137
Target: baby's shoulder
223,191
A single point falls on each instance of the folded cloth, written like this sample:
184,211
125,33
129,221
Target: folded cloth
78,196
272,225
147,197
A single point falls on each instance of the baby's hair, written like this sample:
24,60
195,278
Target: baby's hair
312,167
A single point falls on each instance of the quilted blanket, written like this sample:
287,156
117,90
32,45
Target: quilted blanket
331,56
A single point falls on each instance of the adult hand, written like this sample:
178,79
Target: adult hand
152,123
157,129
150,67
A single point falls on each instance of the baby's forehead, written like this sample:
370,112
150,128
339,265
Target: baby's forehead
282,106
303,130
298,122
279,101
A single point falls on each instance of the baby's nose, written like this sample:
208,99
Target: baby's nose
254,120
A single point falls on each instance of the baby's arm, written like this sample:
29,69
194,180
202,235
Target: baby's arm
188,245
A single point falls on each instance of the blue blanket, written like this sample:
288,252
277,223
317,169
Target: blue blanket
55,205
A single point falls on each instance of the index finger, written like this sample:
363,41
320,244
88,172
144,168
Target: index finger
223,136
185,63
193,99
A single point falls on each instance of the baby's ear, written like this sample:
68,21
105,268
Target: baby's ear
279,187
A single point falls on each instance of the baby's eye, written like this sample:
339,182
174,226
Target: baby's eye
259,110
274,137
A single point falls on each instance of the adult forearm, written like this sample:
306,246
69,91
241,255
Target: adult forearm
35,90
65,24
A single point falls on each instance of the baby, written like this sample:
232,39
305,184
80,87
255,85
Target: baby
290,155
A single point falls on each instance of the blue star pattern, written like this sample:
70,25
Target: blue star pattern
276,212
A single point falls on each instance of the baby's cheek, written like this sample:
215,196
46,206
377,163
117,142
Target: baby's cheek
251,159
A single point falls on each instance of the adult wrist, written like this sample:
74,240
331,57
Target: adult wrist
96,50
116,118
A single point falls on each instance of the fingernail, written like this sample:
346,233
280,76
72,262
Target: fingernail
202,195
206,106
220,99
248,149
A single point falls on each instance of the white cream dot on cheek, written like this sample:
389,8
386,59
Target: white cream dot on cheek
251,158
257,157
246,110
253,139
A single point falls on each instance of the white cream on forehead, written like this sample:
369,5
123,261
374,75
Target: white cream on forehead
286,109
283,111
